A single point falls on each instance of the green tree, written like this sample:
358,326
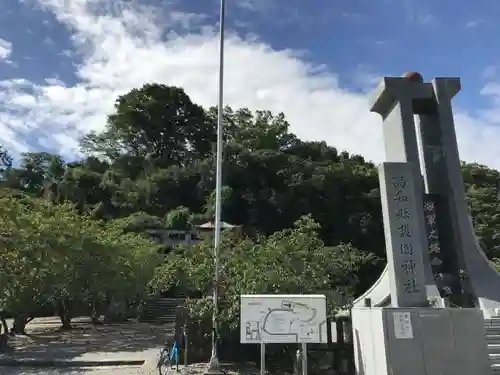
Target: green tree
482,187
52,254
37,169
180,218
261,130
290,261
5,162
157,122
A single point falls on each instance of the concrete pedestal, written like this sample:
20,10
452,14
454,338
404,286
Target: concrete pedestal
419,341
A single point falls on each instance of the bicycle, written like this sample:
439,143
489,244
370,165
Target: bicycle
167,359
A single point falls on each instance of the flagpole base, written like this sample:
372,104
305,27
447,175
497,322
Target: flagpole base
213,367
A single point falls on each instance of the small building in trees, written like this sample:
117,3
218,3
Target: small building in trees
206,230
170,237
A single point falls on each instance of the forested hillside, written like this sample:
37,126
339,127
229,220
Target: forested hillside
155,162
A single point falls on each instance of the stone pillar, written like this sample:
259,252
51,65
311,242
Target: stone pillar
403,241
446,263
481,281
396,100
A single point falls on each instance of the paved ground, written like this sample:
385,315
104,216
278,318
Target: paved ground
196,369
81,371
86,342
130,341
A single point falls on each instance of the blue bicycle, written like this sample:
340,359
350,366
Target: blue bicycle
168,357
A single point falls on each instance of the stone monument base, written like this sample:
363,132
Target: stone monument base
419,341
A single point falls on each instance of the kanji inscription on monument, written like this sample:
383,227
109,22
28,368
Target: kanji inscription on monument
433,235
404,244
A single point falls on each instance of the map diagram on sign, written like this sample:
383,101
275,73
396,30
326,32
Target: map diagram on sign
283,318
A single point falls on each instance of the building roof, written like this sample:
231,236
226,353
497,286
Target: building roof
211,225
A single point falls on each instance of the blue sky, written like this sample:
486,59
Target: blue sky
62,63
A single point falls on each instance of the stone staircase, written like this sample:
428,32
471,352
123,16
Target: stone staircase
492,327
160,310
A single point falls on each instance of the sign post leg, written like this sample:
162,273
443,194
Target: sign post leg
262,359
304,359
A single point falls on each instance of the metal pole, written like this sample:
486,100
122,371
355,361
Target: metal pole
214,360
186,343
304,359
262,359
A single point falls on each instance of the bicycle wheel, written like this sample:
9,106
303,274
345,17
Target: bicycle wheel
163,365
164,369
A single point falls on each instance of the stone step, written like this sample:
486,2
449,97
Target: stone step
160,306
163,308
157,320
176,301
160,310
494,361
169,302
157,308
158,313
493,348
493,338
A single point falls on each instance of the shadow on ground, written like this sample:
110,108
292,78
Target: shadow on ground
75,371
45,340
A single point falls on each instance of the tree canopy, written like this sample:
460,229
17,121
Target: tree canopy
310,214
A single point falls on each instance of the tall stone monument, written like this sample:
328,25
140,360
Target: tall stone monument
405,323
403,216
455,268
395,100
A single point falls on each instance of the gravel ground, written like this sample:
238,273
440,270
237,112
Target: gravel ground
86,342
73,371
149,368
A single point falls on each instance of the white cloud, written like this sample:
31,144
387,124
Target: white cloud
474,23
124,48
5,49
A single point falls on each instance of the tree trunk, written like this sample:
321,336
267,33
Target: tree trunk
4,342
4,328
19,326
116,310
94,316
64,314
297,358
4,334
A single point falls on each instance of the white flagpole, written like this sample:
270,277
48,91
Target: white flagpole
214,360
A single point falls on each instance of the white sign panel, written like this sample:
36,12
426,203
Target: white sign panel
402,325
283,318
